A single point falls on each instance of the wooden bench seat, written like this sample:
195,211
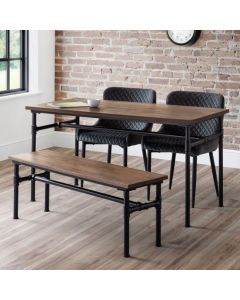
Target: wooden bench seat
122,178
88,169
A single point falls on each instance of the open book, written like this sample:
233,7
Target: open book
71,103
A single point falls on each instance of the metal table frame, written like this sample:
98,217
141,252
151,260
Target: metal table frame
75,123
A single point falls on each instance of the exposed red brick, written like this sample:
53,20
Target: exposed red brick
89,61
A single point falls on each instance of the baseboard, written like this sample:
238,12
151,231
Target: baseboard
66,140
43,141
231,157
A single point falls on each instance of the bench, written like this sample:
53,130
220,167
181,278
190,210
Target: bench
121,178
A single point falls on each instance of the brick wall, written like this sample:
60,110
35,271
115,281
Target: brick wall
89,61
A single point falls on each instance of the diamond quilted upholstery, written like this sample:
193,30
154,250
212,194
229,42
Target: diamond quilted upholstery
201,99
177,145
120,138
206,128
130,95
115,137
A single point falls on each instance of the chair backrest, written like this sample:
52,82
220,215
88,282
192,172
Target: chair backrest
201,99
131,95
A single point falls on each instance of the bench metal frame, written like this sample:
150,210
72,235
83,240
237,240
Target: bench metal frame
129,206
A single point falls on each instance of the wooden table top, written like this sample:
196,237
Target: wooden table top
152,113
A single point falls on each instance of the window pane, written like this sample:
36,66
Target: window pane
15,77
3,76
15,43
2,43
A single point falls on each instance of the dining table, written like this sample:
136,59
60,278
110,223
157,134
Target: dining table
185,116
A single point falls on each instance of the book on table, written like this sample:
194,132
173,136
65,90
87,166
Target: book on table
70,103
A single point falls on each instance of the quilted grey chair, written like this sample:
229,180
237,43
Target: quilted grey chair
176,145
116,137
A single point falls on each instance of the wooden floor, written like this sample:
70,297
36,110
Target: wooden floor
84,232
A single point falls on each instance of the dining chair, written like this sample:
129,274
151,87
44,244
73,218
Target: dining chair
118,136
200,131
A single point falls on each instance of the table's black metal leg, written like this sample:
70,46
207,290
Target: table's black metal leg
34,134
158,214
220,148
46,209
76,145
187,176
149,169
83,156
194,180
16,192
125,156
126,224
109,154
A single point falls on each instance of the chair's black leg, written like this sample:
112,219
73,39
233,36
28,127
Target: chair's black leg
172,170
125,156
194,180
144,158
46,208
34,136
149,168
158,214
83,155
109,156
187,176
214,173
76,145
16,192
126,224
221,164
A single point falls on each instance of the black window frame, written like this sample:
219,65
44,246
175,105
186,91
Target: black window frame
24,58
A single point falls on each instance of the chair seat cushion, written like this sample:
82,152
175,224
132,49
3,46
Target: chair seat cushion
110,137
177,145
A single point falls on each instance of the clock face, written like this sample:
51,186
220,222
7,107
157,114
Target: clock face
183,37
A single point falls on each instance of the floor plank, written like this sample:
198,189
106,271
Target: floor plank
83,232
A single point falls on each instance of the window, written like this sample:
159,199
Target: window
13,61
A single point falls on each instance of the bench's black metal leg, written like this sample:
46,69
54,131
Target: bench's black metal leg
172,170
34,134
76,145
46,209
83,155
214,173
158,214
220,148
187,176
149,168
125,156
126,224
109,155
16,192
194,180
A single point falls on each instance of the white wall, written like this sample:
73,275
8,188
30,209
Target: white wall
15,121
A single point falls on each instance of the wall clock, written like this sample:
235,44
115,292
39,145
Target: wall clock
183,37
